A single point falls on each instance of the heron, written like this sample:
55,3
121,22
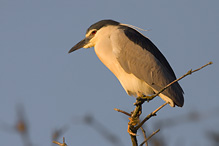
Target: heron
138,64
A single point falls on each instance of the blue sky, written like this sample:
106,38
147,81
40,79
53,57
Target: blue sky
57,88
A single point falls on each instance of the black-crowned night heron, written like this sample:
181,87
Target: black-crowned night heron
137,63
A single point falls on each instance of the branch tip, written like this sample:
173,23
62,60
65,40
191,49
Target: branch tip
121,111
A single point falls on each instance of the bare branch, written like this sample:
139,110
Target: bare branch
121,111
149,137
61,144
150,115
134,140
144,134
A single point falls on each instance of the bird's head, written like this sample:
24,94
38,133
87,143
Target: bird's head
92,34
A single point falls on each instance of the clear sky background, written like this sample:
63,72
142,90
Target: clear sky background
57,88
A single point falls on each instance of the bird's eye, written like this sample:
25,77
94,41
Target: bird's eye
93,32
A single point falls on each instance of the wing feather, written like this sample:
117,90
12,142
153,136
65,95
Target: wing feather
142,58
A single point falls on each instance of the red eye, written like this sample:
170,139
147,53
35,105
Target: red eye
93,32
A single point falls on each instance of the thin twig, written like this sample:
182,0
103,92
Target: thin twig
144,134
150,115
149,137
121,111
209,63
61,144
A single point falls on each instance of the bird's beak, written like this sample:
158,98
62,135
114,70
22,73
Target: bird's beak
79,45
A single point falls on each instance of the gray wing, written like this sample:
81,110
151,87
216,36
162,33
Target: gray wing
139,56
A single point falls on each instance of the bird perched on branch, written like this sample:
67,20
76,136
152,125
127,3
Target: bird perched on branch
137,63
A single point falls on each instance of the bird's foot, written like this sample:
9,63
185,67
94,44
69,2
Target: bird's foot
149,98
141,98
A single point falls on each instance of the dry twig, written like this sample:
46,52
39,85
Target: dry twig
150,115
61,144
145,141
144,134
121,111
